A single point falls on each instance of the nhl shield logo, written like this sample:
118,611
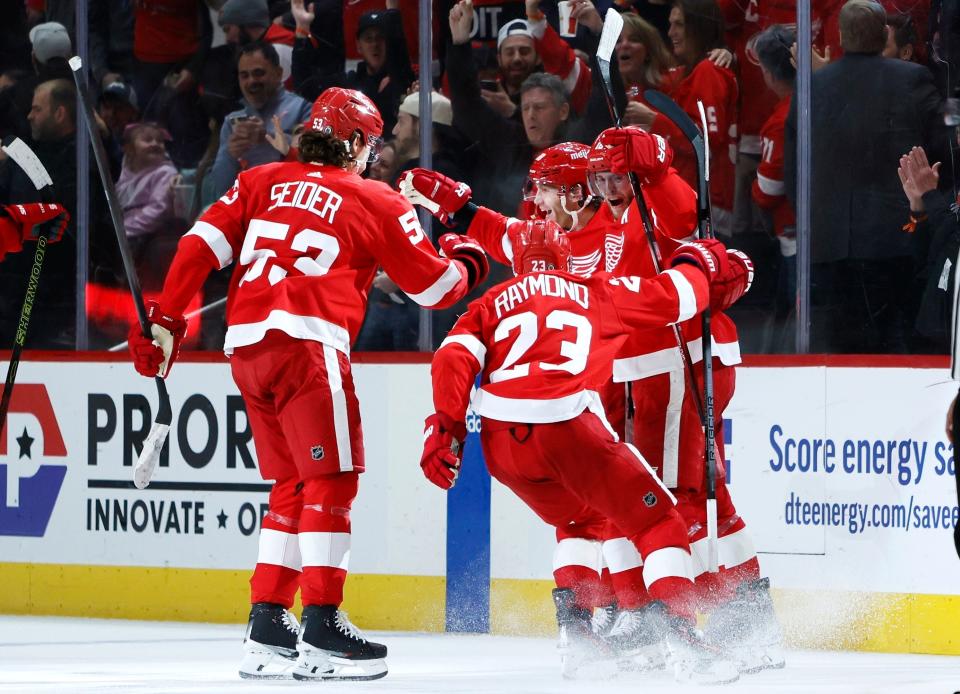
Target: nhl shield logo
316,452
650,499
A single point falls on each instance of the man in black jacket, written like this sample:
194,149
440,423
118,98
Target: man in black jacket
385,73
866,112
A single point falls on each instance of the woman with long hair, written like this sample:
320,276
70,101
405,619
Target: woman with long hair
696,29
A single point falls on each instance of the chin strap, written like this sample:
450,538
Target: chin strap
574,214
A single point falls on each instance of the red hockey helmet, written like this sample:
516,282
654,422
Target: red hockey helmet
342,112
539,245
562,166
600,180
599,157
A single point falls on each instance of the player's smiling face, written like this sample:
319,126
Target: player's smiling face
615,189
549,202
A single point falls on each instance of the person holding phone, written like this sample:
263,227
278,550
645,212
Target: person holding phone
243,137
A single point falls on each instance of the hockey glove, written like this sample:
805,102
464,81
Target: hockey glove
442,439
155,357
728,287
632,149
468,252
707,254
29,221
440,194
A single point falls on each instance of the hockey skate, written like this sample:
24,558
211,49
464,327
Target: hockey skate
691,658
636,636
270,644
747,627
583,654
603,619
331,648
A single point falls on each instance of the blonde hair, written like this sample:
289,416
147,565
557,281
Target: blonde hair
659,59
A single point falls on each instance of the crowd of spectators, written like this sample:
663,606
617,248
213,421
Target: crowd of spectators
190,92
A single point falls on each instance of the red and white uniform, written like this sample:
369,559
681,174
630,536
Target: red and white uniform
768,189
543,343
716,87
306,240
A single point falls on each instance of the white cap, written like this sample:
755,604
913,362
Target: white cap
441,109
50,40
515,27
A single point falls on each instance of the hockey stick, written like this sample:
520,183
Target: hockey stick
153,444
25,158
120,346
699,140
612,26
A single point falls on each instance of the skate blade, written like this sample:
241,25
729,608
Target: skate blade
648,659
334,668
768,658
574,668
266,664
714,674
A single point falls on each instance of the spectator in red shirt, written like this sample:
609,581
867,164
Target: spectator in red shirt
772,48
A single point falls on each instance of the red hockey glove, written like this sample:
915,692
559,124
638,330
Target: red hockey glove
707,254
636,150
155,357
440,194
468,252
30,220
442,439
727,288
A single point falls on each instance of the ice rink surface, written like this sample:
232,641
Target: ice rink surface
49,654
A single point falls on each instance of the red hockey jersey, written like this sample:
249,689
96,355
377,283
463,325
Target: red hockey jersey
654,351
307,240
717,88
768,189
604,244
544,342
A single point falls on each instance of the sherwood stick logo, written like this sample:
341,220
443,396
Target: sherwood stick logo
27,500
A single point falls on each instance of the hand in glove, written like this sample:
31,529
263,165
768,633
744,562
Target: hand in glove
468,252
155,357
440,194
442,440
726,288
30,221
632,149
707,254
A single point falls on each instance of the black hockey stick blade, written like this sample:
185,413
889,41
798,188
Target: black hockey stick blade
27,160
676,115
153,444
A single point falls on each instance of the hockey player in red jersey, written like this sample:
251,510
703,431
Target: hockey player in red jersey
306,238
668,433
558,186
543,343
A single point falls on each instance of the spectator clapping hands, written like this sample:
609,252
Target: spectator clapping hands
917,176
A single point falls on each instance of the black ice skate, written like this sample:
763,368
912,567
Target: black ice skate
270,644
636,636
747,627
331,648
691,658
583,654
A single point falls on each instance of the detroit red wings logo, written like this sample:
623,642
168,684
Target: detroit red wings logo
613,249
584,265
